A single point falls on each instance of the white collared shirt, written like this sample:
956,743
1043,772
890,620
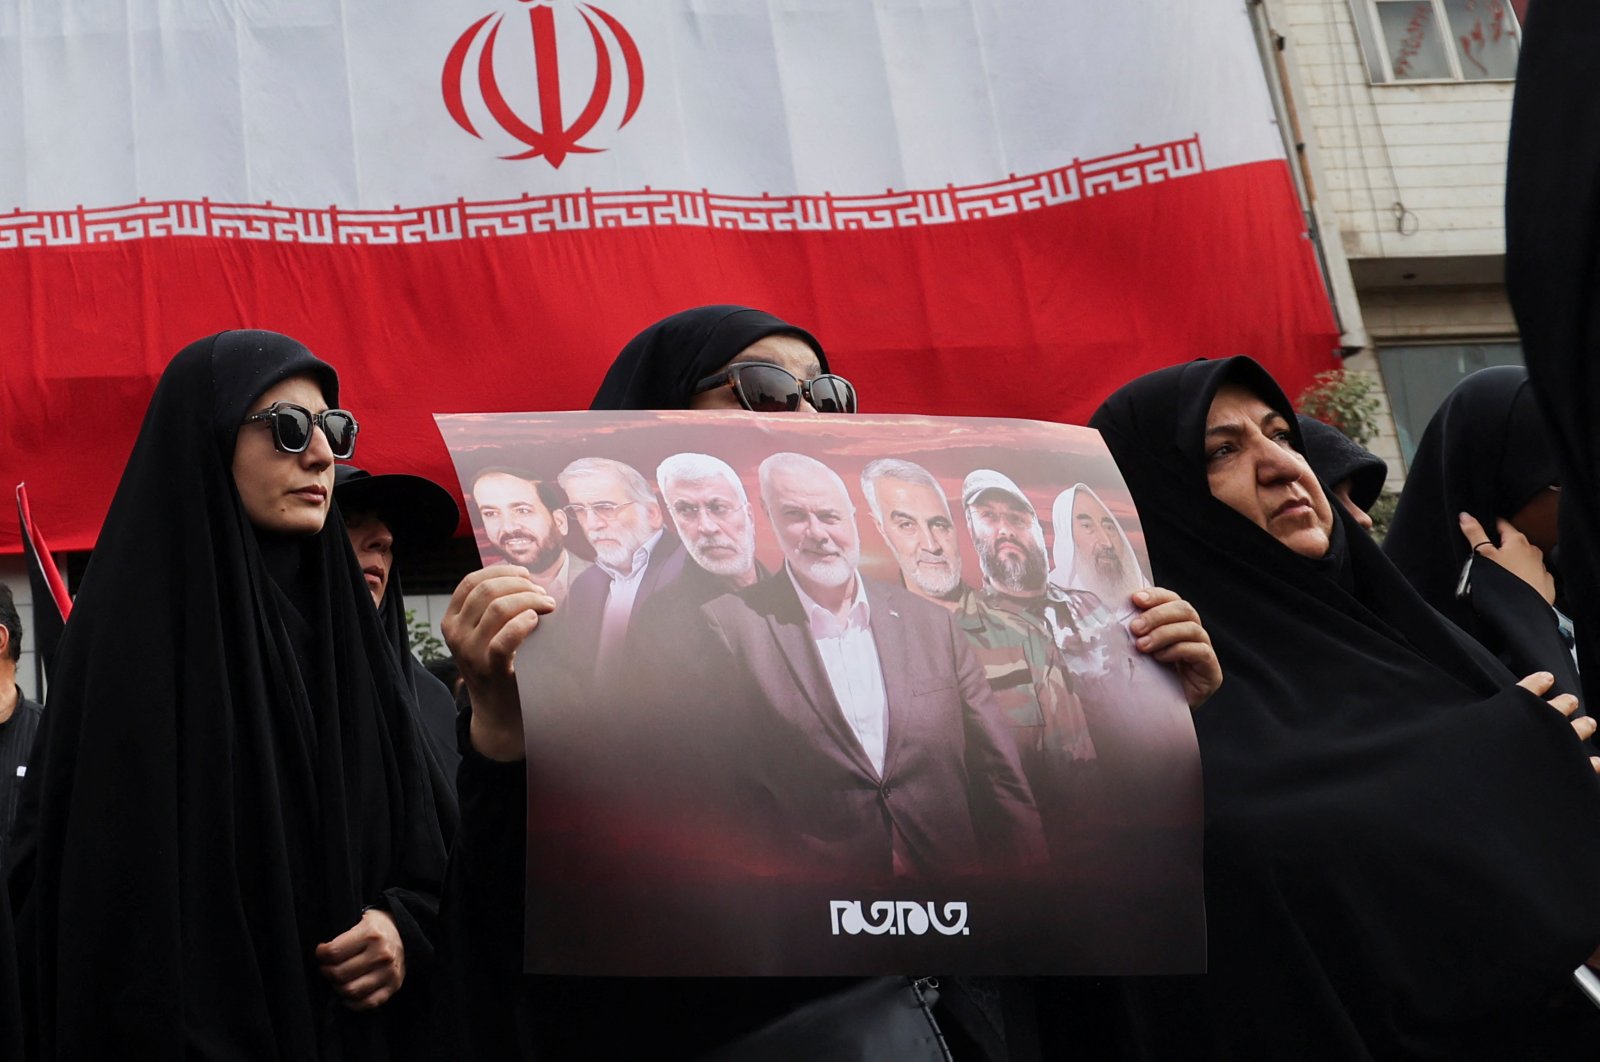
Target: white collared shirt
561,581
850,657
620,596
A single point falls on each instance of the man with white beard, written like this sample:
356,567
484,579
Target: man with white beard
1092,552
1025,670
634,556
902,748
711,511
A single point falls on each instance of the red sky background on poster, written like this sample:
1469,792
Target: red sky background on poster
1011,239
1118,887
542,445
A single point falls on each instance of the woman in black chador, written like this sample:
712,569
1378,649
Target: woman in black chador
1402,843
233,849
1487,453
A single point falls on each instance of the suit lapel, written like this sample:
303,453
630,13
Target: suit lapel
791,630
665,562
889,634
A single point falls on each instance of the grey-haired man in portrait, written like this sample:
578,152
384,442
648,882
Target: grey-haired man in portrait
821,651
715,523
635,556
1019,658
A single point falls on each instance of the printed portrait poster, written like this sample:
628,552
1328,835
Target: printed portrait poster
841,695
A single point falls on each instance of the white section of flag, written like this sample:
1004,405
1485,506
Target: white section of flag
317,102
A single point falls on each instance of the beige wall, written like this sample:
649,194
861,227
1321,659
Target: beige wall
1470,312
1437,148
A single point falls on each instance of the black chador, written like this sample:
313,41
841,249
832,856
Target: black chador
1402,847
1485,452
229,772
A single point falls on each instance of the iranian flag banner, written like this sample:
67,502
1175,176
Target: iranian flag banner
980,207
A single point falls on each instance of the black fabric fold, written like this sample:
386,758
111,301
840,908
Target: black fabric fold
1401,846
1335,457
230,770
505,1014
1553,278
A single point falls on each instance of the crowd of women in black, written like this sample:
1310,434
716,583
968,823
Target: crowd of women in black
234,842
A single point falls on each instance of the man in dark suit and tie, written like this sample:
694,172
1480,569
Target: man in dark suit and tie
872,745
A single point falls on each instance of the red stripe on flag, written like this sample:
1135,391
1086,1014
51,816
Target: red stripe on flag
1039,314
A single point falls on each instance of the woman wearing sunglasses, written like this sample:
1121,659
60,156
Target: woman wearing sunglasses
234,849
724,357
712,357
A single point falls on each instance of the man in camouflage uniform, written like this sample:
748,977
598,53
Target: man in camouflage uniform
1025,669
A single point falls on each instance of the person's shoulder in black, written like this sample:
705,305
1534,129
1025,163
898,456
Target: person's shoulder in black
436,707
16,745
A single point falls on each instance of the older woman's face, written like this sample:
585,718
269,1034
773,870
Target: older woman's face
287,494
1253,467
789,352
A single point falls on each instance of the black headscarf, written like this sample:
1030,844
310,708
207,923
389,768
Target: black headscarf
230,772
1335,457
1485,452
660,366
1401,848
429,517
505,1014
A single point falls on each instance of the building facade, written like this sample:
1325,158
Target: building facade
1397,114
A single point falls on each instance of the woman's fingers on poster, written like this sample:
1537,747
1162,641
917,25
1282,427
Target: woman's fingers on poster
490,615
1169,630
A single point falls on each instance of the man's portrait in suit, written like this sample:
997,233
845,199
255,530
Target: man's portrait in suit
634,556
871,742
712,514
1026,672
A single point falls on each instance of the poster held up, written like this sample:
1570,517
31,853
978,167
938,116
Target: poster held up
836,696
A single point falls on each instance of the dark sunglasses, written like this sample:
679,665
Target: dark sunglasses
292,424
762,387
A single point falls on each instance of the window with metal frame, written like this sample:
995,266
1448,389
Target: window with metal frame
1419,376
1407,41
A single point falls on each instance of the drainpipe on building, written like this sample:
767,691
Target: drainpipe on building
1322,228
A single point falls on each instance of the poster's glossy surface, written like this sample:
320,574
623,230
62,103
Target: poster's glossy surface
837,695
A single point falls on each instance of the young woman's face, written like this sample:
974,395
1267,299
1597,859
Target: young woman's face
287,494
1253,467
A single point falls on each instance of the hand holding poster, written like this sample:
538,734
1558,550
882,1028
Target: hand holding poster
837,696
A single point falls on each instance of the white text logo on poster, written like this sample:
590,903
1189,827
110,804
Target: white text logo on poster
898,918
